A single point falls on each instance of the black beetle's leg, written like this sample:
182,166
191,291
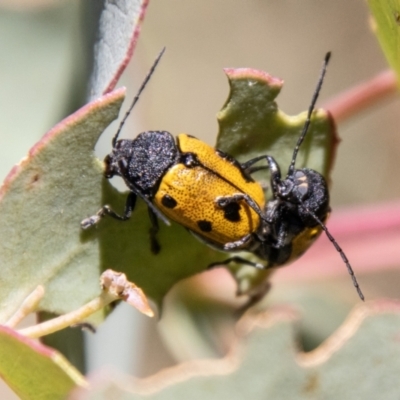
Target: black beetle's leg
237,244
106,210
224,201
256,295
239,260
254,298
154,244
272,166
282,235
249,163
252,170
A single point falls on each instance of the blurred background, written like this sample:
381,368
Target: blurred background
42,77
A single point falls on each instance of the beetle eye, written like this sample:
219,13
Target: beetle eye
301,183
302,189
109,170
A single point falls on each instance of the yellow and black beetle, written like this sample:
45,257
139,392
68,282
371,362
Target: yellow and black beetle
189,182
214,196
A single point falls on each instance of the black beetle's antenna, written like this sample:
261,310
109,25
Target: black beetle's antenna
291,171
338,249
136,98
310,111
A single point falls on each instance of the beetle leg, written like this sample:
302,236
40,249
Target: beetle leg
249,163
154,244
238,244
252,170
254,297
106,210
256,294
282,235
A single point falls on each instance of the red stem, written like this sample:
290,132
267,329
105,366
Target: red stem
364,95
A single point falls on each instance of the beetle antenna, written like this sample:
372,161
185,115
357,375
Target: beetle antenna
338,249
136,98
310,111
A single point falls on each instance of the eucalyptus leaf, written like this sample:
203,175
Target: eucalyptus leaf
360,360
119,23
34,371
42,202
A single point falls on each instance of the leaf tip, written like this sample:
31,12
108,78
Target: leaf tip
251,73
117,285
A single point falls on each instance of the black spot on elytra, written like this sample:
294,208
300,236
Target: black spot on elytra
168,201
231,212
204,225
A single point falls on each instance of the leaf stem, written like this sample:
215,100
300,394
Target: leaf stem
115,286
362,96
71,318
29,305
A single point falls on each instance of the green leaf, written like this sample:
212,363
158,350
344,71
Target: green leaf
119,24
360,360
35,371
251,125
386,25
42,202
